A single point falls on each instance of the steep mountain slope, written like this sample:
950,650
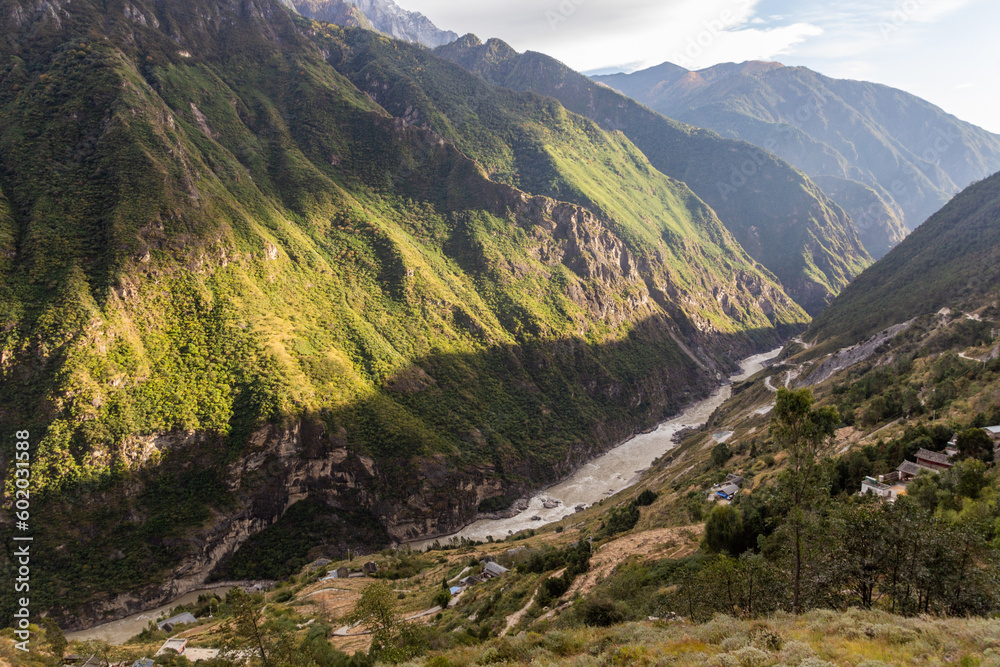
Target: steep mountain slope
235,284
951,261
776,213
383,15
339,12
906,151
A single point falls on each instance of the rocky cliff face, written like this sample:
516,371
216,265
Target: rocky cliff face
384,16
266,292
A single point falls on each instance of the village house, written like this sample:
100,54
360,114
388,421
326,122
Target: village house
175,644
892,485
168,625
728,489
492,570
936,460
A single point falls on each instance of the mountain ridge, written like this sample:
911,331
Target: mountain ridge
384,16
948,262
738,180
910,154
233,281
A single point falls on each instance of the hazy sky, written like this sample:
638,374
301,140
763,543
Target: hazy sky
946,51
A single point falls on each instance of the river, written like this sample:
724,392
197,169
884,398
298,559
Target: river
609,473
116,632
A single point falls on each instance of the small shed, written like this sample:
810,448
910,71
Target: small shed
494,569
174,644
455,590
168,625
471,581
143,662
728,491
371,567
735,479
343,572
874,487
993,432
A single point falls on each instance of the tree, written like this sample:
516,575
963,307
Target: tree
55,637
246,629
724,530
862,552
720,454
375,611
974,443
801,430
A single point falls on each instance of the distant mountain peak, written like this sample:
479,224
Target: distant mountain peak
385,16
875,150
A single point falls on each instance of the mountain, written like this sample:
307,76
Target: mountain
383,15
889,158
951,261
241,292
776,213
340,12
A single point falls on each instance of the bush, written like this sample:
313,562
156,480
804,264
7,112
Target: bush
621,519
646,498
601,612
720,454
724,530
442,598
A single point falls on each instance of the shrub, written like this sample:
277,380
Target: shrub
438,661
442,598
601,612
720,454
646,498
621,519
750,656
724,530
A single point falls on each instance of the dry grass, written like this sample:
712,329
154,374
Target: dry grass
815,639
649,544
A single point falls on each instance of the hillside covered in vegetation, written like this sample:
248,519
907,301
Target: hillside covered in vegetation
887,157
238,276
949,262
806,240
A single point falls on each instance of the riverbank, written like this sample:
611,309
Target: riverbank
117,632
616,469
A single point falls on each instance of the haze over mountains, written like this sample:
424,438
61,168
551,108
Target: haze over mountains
890,159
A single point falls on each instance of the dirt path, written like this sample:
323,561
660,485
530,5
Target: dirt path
656,543
516,617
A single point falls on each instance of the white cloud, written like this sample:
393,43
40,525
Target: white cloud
916,45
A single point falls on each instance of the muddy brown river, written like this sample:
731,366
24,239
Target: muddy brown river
611,472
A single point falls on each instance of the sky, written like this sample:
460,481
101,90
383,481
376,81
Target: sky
945,51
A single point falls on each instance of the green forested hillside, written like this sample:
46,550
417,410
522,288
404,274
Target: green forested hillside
910,153
233,279
776,213
949,262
